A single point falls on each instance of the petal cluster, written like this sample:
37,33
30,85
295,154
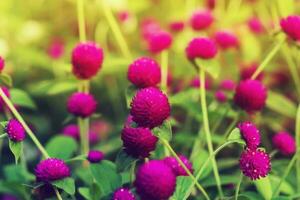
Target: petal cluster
123,194
15,130
81,104
285,143
178,170
201,47
291,26
250,134
201,19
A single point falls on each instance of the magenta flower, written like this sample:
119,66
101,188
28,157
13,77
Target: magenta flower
285,143
2,64
123,194
51,169
159,41
255,164
144,72
72,131
250,134
201,19
220,96
87,59
155,180
176,26
226,40
195,83
291,26
248,70
250,95
150,107
176,167
227,85
56,49
201,47
81,104
95,156
255,25
15,130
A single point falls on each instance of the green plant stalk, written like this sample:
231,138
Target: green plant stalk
57,193
231,125
3,136
116,29
81,20
167,145
164,71
268,58
238,187
207,130
23,123
298,148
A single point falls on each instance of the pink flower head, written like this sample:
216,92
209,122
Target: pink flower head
149,26
155,180
220,96
94,137
176,26
195,83
81,104
144,72
2,103
15,130
87,59
2,64
138,142
95,156
211,4
176,167
285,143
227,84
159,41
255,163
123,194
247,70
226,40
255,25
250,95
250,134
56,49
201,19
201,47
72,131
291,26
123,16
51,169
150,107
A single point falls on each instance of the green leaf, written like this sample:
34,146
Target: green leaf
285,187
3,123
6,80
61,147
16,149
164,131
105,174
21,98
85,192
211,66
66,184
182,185
17,173
124,161
263,186
62,87
235,134
281,104
130,92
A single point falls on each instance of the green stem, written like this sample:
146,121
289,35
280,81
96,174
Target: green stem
268,58
166,143
207,130
81,20
3,136
238,187
23,123
164,70
84,137
57,193
77,158
232,125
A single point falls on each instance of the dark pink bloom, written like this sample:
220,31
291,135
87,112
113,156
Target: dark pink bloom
250,95
94,137
250,134
255,164
81,104
220,96
51,169
226,40
95,156
123,194
291,26
144,72
195,83
176,26
176,167
285,143
149,26
159,41
255,25
247,70
15,130
72,131
56,49
150,107
123,16
227,85
2,64
155,180
201,19
87,59
201,47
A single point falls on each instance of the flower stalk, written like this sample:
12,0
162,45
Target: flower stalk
164,71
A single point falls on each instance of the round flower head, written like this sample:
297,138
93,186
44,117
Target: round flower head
155,180
227,85
138,142
176,26
81,104
159,41
291,26
94,137
250,134
2,103
176,167
144,72
95,156
226,40
250,95
201,19
248,70
150,107
195,83
87,59
72,131
51,169
285,143
204,48
220,96
255,163
15,130
2,64
123,194
255,25
56,49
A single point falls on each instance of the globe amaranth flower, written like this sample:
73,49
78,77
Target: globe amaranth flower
95,156
250,134
201,19
248,70
285,143
81,104
291,26
138,142
159,41
178,170
51,169
220,96
72,131
176,26
2,64
150,107
255,25
87,59
250,95
255,164
123,194
155,180
226,40
201,47
227,84
195,83
144,72
56,49
15,130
